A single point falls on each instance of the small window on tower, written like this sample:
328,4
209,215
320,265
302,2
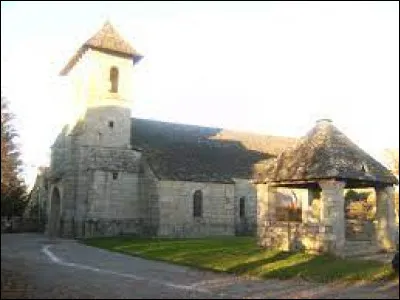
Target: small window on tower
114,80
111,124
115,175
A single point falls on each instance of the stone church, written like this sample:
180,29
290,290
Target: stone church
112,173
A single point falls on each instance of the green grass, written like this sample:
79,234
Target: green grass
242,256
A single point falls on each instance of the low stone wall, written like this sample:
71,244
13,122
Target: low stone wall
196,229
138,227
20,224
360,230
103,227
296,236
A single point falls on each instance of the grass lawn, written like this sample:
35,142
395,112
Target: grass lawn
242,256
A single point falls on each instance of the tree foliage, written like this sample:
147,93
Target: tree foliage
13,190
392,160
360,205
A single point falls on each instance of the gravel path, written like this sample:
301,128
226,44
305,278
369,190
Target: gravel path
33,267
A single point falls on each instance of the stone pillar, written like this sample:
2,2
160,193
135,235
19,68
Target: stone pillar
265,212
305,206
332,216
386,229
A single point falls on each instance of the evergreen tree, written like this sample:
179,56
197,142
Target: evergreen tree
13,189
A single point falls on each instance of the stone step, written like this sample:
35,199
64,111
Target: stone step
359,248
362,252
359,243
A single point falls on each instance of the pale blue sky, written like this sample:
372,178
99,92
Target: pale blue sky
267,67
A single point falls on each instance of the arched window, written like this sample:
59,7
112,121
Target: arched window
241,207
197,204
114,80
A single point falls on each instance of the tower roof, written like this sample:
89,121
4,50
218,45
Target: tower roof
326,153
107,39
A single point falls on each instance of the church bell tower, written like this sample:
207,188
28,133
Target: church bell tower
101,77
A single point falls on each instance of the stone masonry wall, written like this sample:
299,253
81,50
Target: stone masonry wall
246,225
294,236
61,176
81,172
289,236
149,200
107,126
108,205
61,155
90,84
176,209
111,198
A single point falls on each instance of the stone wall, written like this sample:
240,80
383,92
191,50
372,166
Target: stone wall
108,126
89,82
113,198
176,209
61,159
61,174
98,227
20,224
84,176
290,236
93,203
246,225
105,186
293,236
149,200
359,230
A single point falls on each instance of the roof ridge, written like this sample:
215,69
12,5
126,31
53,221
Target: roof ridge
226,130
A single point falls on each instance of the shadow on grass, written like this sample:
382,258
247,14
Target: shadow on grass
244,267
318,268
172,252
325,268
244,258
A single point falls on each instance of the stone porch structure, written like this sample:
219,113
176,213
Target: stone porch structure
324,163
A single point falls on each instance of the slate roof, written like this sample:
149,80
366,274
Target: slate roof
326,153
204,154
106,39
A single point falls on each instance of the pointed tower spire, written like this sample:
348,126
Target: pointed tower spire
107,39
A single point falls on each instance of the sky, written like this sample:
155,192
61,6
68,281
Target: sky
266,67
